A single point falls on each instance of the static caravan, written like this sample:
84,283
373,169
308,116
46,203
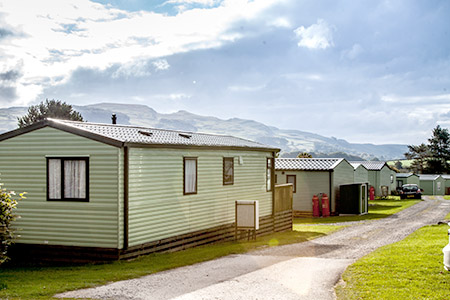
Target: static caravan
312,176
380,176
361,174
407,178
447,183
432,184
115,191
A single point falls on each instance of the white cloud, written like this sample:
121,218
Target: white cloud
58,37
316,36
280,22
354,52
429,100
132,69
161,64
246,88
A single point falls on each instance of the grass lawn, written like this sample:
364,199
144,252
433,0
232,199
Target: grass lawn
377,209
44,282
447,197
409,269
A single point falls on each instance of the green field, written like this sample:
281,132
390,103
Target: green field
410,269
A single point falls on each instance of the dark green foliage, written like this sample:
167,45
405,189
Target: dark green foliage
398,165
49,109
440,151
304,155
432,158
7,216
420,154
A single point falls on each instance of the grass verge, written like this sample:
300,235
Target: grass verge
409,269
44,282
377,209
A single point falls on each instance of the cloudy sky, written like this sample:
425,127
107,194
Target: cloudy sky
366,71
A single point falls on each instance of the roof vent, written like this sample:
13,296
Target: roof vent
146,133
186,136
114,119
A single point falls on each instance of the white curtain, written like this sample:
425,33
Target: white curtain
228,171
54,179
190,175
75,179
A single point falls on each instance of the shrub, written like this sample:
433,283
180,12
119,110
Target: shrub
7,206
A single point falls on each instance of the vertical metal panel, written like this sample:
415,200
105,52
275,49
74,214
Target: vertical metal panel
23,168
157,207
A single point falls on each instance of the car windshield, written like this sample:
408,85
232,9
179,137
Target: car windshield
410,188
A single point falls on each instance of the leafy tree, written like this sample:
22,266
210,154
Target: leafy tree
304,155
398,164
420,155
439,145
7,206
49,109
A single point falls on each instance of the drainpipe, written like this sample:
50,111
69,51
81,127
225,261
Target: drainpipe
125,198
330,180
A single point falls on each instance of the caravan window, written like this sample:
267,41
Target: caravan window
68,179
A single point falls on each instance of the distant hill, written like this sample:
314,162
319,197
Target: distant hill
347,156
287,140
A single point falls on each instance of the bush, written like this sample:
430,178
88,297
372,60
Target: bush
7,206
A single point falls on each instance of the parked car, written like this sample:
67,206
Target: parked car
410,191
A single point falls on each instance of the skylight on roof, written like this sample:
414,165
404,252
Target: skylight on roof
186,136
146,133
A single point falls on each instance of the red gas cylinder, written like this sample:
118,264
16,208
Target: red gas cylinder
315,203
325,206
371,193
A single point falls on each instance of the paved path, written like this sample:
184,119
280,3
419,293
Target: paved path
308,270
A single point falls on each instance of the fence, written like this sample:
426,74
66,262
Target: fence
283,198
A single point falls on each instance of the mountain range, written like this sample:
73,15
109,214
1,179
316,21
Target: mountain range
289,141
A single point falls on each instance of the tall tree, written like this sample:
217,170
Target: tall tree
439,145
304,155
49,109
419,154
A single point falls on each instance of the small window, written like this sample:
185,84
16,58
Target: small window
68,179
228,170
190,175
269,168
392,178
292,179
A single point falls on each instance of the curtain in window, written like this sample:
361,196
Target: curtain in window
228,170
75,179
190,175
269,174
54,179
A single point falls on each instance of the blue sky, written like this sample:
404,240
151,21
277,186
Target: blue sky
366,71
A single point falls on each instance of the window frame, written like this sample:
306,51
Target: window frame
184,175
269,173
230,182
62,160
295,182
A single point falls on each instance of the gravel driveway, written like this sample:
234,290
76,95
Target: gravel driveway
308,270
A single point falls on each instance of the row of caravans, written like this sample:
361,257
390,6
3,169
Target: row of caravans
111,191
318,176
114,191
430,184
